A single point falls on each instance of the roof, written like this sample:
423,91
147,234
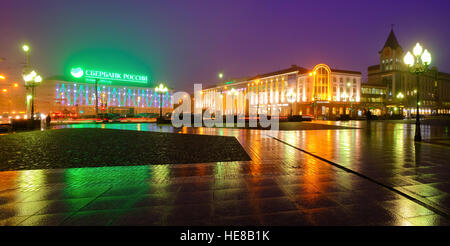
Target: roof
392,41
373,85
293,68
344,71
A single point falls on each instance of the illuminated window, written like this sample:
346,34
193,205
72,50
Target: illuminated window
321,82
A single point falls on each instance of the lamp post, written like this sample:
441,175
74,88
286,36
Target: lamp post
234,107
31,78
31,81
161,89
290,96
96,98
400,97
418,63
350,111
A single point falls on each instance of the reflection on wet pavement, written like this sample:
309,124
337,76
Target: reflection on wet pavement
280,186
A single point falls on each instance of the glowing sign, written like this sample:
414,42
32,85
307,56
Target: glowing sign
78,72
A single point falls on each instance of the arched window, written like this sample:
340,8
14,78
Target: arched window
321,74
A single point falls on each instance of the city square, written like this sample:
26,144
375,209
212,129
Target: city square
286,183
247,130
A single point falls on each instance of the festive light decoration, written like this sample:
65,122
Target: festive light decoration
115,96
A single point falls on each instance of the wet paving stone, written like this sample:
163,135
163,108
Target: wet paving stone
64,206
311,201
66,148
336,216
429,220
251,220
280,185
110,203
406,208
92,218
145,216
288,218
12,220
45,220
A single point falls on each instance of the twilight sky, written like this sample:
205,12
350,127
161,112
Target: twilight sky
190,41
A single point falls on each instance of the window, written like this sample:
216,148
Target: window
341,80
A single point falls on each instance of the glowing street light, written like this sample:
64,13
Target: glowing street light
161,89
418,63
290,96
2,77
25,48
32,80
220,75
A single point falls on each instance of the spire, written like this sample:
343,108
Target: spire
391,40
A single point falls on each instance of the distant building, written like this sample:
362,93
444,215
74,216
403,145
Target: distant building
322,91
398,87
76,96
373,98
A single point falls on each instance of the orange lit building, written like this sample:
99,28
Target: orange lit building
321,91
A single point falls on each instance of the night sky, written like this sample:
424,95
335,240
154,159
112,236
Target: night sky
187,41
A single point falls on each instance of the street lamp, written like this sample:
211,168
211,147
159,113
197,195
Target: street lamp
290,96
32,80
400,97
220,75
349,99
233,94
161,89
26,49
418,63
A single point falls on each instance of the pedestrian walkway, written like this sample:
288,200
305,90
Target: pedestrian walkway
281,185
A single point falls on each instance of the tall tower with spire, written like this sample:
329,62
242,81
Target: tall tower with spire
392,54
399,87
389,71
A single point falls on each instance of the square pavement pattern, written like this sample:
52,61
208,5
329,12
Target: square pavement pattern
280,185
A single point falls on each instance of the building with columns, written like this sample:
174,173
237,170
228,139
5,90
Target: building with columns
322,92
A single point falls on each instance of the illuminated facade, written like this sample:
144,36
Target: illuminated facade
321,91
58,95
400,86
